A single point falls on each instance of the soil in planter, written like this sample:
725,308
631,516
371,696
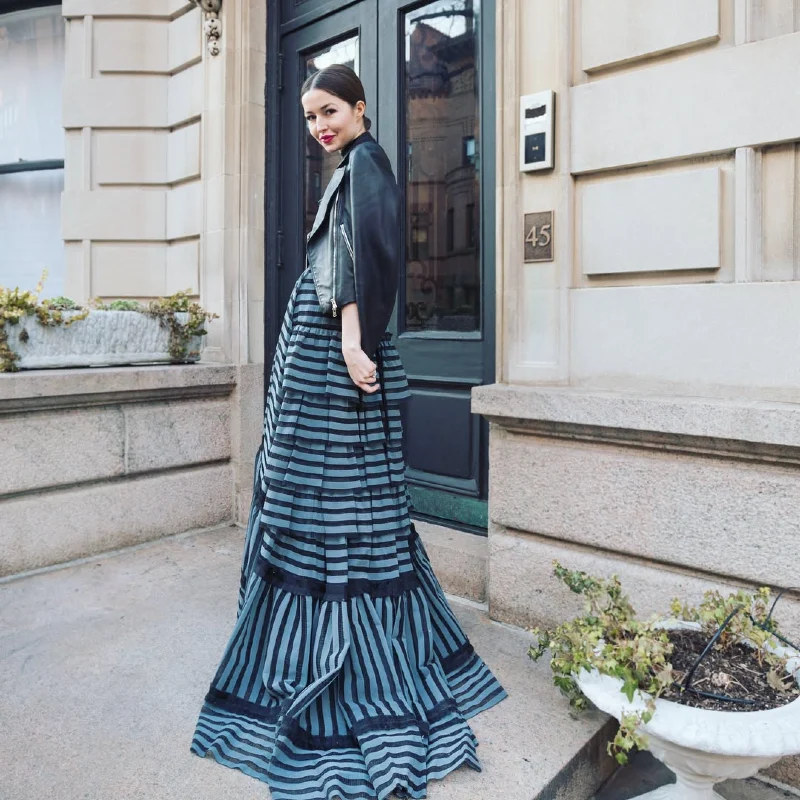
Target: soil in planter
734,672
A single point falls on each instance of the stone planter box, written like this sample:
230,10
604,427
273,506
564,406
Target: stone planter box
104,338
704,747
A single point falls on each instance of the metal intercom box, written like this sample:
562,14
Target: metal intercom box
537,129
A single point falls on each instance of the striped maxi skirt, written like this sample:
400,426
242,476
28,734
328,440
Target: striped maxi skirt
347,675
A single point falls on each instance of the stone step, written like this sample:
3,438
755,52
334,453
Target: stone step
460,560
105,663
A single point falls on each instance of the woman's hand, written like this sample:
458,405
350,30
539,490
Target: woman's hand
363,372
361,368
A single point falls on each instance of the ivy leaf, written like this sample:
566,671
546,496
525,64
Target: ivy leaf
778,682
629,688
666,676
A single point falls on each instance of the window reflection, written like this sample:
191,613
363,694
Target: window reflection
442,179
31,78
319,165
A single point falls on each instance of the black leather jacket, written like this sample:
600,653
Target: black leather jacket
354,245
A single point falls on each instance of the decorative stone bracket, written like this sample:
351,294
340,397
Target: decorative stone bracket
212,27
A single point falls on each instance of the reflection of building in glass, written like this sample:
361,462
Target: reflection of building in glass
31,147
442,189
319,165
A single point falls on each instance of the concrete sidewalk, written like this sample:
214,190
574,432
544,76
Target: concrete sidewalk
104,664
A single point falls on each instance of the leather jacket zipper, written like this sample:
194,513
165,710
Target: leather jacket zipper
347,242
334,306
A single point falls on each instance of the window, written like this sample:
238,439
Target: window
470,224
31,145
451,230
419,244
441,104
468,151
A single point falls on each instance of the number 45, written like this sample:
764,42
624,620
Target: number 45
540,237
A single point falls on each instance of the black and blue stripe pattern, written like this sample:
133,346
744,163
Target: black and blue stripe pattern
347,676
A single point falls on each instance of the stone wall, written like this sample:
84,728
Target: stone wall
677,247
675,495
95,460
132,209
646,416
647,409
164,183
164,191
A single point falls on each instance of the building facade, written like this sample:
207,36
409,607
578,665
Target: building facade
629,401
648,379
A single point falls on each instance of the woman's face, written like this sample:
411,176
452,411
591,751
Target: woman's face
333,122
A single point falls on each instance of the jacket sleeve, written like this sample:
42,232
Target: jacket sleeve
375,216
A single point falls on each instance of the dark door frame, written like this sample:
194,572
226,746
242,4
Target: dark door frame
275,30
273,305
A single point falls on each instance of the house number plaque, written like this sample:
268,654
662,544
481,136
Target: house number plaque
539,236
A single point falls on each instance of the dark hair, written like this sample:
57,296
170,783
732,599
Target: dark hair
340,81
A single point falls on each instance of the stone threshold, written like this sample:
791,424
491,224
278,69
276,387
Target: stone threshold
105,554
460,560
737,428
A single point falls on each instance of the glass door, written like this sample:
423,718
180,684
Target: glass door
432,91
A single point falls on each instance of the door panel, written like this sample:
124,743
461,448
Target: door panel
454,461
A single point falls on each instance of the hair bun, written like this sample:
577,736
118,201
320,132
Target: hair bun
367,123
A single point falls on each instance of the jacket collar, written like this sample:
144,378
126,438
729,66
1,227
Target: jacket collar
350,146
334,182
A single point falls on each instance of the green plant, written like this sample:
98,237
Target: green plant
16,305
63,304
125,305
610,639
753,625
116,305
166,309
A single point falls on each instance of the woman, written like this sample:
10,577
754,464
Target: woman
347,675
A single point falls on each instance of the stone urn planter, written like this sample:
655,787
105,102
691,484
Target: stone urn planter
712,691
703,747
103,338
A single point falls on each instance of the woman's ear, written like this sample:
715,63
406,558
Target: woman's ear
361,108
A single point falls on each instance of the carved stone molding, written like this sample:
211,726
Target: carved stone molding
212,26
